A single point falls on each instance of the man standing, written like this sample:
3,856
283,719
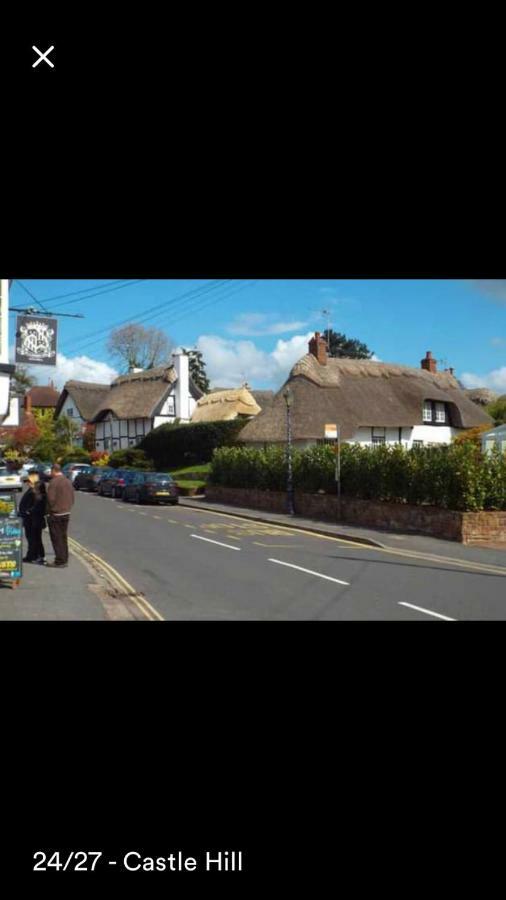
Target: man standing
60,499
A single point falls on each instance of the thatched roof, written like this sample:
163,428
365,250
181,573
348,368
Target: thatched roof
483,396
224,405
263,398
354,393
86,395
140,395
137,395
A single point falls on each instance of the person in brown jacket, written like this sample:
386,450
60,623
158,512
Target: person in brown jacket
60,499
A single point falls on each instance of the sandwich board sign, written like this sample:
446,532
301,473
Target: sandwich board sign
11,549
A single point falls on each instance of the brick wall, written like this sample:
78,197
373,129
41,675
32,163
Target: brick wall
430,520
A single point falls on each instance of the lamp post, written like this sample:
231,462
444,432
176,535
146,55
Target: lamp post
288,397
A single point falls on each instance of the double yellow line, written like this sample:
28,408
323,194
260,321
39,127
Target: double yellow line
117,581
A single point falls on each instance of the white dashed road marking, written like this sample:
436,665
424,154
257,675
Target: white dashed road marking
428,612
309,571
209,541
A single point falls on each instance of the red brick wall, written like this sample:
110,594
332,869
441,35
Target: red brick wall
430,520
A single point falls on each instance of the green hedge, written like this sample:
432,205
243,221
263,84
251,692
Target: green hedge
177,445
131,457
77,455
452,476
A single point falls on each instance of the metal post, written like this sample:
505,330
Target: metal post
338,473
289,482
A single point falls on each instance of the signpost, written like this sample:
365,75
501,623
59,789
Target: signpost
333,433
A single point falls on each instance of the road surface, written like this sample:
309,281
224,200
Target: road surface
196,564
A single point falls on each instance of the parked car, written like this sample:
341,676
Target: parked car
9,480
114,483
72,469
89,479
155,487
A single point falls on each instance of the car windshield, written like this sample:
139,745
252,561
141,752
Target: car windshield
158,476
4,471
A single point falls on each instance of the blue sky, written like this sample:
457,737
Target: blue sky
255,330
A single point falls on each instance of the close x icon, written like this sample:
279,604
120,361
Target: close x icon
42,56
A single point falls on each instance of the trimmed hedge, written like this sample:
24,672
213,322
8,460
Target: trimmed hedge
131,457
456,476
177,445
77,455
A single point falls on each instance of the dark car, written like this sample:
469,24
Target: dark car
88,479
112,485
72,470
154,487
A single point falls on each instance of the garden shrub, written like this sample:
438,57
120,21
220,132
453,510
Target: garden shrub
456,476
131,457
172,445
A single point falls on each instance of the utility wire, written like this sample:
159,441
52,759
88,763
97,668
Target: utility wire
30,295
150,313
192,310
97,294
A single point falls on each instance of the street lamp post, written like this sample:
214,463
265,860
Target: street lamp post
288,397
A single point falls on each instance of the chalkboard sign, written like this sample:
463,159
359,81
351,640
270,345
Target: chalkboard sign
11,547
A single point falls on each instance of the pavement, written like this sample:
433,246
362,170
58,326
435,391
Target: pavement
84,591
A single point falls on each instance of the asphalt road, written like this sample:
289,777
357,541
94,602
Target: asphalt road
193,564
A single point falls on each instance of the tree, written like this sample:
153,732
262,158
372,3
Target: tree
24,438
339,346
66,431
198,370
21,380
497,410
136,347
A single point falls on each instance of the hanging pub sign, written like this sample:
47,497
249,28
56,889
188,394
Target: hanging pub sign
36,340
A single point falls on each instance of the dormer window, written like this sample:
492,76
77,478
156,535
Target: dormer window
434,412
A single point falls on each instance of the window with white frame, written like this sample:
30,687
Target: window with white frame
417,443
70,411
170,406
440,412
378,435
427,411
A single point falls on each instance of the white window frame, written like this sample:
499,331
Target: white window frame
440,413
427,411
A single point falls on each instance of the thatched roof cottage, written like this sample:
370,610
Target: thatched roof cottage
136,403
372,403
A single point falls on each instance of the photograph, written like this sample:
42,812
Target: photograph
252,449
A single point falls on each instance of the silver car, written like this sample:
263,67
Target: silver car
10,481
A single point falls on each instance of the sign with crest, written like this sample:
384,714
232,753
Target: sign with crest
36,340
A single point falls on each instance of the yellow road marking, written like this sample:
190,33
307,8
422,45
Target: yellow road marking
411,554
144,605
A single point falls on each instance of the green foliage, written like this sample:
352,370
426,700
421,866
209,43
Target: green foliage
76,455
197,368
131,457
173,445
497,410
456,476
338,345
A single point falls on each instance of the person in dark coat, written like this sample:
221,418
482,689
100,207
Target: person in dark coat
32,510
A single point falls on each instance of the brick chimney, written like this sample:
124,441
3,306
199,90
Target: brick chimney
429,363
28,404
318,347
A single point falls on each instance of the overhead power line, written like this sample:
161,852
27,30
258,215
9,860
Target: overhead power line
147,314
43,308
97,294
192,309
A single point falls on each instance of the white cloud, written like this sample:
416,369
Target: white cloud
496,380
79,368
229,363
256,324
